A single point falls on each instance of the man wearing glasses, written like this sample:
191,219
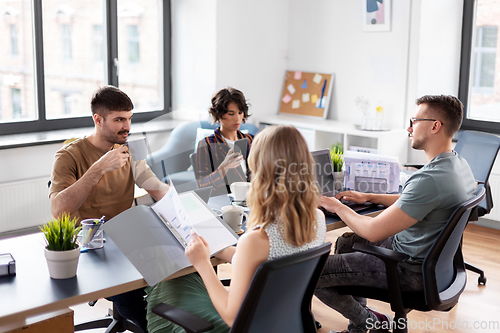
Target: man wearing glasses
409,225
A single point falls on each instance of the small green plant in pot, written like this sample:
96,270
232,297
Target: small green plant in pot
62,251
337,156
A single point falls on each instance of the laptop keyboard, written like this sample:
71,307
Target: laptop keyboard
354,206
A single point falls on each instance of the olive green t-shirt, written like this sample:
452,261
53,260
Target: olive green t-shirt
115,191
431,195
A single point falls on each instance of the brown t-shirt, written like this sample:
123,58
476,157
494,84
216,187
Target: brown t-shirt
115,191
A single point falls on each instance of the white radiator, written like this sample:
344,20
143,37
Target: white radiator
24,204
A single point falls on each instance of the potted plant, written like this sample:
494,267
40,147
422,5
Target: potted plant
337,156
62,251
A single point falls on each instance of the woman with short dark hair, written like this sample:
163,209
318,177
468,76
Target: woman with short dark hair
217,164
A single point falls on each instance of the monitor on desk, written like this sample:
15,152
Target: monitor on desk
324,172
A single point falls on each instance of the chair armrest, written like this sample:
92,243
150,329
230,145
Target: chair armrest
381,252
391,259
417,166
186,320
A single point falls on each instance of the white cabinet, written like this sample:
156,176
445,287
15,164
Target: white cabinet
322,133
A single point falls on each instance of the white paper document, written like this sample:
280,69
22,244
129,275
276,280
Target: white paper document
154,238
173,214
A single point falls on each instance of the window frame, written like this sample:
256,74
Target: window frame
468,24
111,53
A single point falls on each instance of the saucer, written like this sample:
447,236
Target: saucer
240,204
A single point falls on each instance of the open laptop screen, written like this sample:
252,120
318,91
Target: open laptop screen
324,171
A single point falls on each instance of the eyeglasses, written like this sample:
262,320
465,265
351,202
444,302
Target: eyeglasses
412,120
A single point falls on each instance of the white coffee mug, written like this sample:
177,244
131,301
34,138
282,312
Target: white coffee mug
138,149
233,216
240,190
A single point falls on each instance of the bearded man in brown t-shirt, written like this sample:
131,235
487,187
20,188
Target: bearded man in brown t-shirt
94,177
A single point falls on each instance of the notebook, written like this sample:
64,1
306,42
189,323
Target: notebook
326,180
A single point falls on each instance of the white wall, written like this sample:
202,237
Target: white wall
27,163
216,44
252,41
327,36
437,66
439,49
194,67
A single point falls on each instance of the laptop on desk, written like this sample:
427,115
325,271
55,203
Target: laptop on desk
326,180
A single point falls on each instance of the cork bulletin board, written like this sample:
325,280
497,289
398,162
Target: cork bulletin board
306,94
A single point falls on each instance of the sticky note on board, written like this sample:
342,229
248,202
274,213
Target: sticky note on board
286,99
296,104
306,97
314,98
317,78
297,75
291,89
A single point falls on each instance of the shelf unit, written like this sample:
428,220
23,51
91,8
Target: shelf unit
322,133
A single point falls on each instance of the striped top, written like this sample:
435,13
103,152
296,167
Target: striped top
210,154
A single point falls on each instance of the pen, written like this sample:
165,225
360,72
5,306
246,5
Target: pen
322,95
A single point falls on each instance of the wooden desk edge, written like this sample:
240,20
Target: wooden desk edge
21,316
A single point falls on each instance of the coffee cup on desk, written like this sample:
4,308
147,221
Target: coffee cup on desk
138,149
233,216
240,190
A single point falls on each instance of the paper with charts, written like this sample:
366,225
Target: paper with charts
156,247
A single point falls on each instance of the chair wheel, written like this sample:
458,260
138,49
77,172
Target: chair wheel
481,280
318,324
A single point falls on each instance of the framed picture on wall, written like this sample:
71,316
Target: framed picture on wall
376,15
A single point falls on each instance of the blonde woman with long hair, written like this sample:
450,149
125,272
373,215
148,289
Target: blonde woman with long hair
284,218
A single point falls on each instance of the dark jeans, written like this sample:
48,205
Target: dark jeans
346,267
132,306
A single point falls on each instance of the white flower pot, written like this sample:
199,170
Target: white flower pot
62,264
339,180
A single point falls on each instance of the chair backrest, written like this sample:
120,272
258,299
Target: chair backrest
181,142
280,294
480,151
192,159
443,268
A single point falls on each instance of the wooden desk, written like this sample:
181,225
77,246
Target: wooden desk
101,273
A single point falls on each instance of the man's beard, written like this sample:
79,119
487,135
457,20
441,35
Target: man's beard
417,144
116,138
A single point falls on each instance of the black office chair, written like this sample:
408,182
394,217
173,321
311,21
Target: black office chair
443,271
480,151
278,299
113,324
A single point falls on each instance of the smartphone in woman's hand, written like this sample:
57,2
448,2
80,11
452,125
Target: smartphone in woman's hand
240,146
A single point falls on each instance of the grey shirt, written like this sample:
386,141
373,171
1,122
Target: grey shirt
431,195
